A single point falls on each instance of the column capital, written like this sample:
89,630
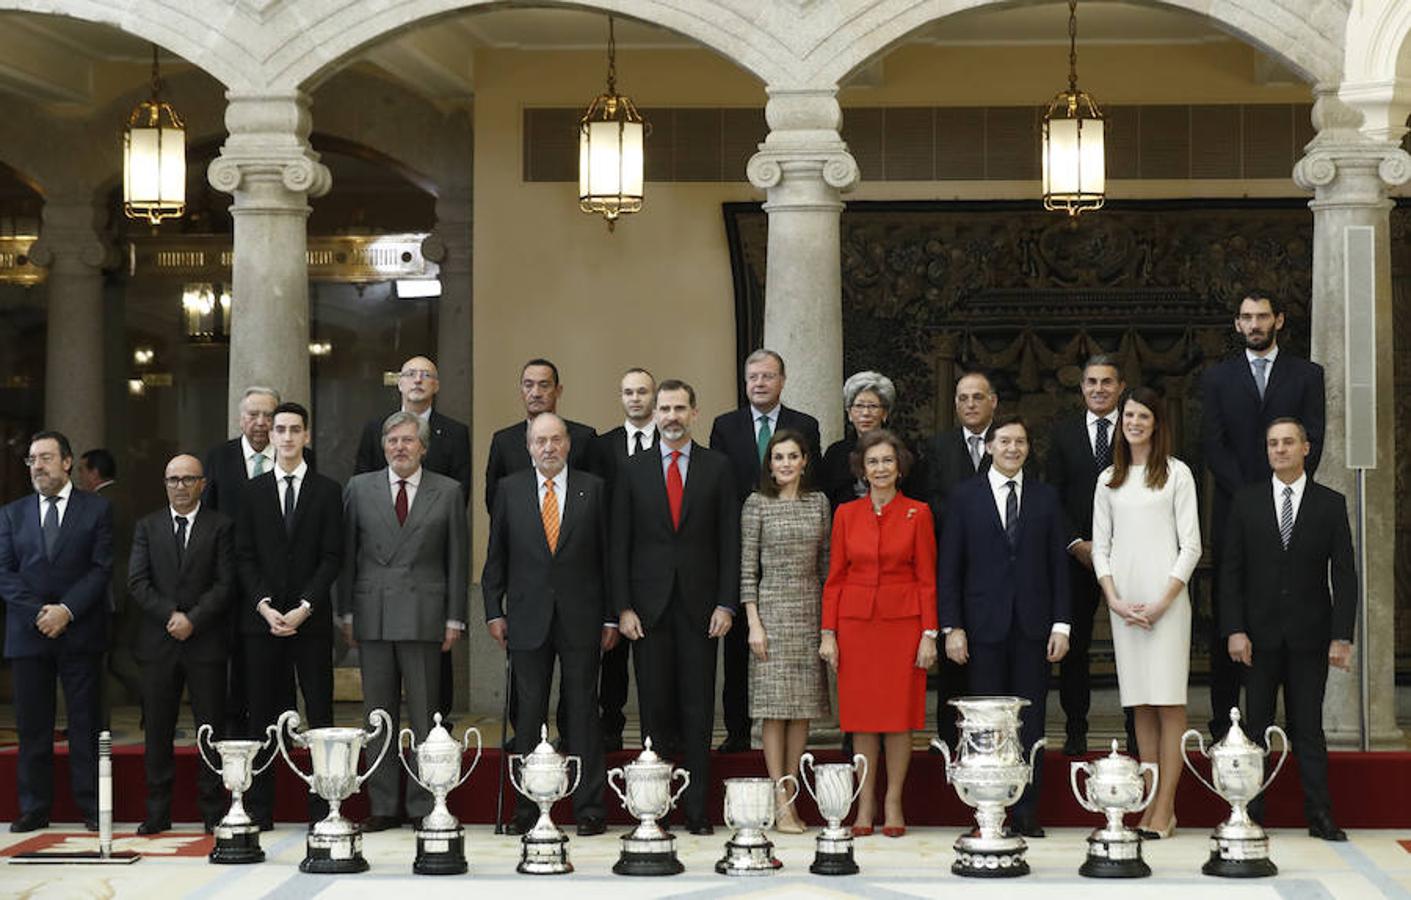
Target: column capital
804,143
1343,165
269,143
68,235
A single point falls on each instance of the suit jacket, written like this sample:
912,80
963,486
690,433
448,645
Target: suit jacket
289,567
403,582
200,585
835,477
610,454
509,453
700,560
1235,418
1275,595
226,478
733,434
77,576
948,464
532,587
449,453
1072,470
985,585
116,494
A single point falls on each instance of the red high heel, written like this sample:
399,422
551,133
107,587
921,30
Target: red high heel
893,831
861,830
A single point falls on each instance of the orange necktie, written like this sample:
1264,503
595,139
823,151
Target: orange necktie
550,513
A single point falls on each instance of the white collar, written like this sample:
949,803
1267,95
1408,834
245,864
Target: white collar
64,493
190,517
998,479
1298,485
973,434
770,414
247,451
299,472
650,429
1250,356
413,480
1111,417
560,480
423,416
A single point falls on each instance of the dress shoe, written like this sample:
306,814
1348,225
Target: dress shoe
1321,825
90,825
1075,745
29,822
1156,834
209,826
154,826
266,824
518,826
734,744
1027,826
380,823
591,827
700,828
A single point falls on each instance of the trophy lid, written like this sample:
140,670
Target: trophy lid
544,754
1115,763
438,737
648,758
1235,742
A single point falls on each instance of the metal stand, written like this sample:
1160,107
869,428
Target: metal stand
105,854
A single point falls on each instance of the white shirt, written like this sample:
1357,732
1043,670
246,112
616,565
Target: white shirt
413,482
684,463
999,488
282,486
1250,356
62,506
772,416
560,489
649,435
190,521
423,416
968,435
1297,498
1092,429
248,453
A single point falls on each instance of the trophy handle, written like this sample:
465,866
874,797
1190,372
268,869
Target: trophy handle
267,745
407,733
685,783
612,784
1034,755
1283,755
290,718
945,757
806,764
577,773
381,724
1155,771
206,731
1078,794
791,780
859,765
1185,754
465,745
509,766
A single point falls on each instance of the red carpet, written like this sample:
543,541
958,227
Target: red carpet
1370,790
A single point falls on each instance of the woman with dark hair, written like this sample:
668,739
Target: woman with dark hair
783,559
879,620
1146,543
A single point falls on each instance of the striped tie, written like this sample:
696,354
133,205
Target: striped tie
550,513
1286,517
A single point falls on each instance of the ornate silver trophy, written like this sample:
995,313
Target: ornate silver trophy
334,845
543,778
440,840
832,789
1115,787
237,838
646,793
749,809
989,773
1239,846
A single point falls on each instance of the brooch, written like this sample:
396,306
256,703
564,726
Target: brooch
911,513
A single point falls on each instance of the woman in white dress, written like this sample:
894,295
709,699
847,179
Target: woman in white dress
1146,543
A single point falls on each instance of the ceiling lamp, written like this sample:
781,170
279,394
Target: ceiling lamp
610,159
1074,171
205,309
154,158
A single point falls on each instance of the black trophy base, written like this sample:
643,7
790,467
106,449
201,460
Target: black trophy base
235,845
342,855
648,864
748,859
544,856
440,853
1220,867
834,864
1102,867
973,864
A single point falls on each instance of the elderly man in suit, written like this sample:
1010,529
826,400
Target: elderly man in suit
403,592
56,556
1241,396
1003,589
182,576
546,596
676,579
1286,542
742,434
540,389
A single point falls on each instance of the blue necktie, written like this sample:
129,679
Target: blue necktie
50,526
1286,517
1102,447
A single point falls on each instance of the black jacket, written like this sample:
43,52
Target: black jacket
509,453
733,434
1072,470
449,453
200,586
226,478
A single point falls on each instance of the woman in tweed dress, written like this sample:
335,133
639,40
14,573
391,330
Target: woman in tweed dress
783,563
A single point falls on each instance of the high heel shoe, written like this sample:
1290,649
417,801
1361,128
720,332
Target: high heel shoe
1155,834
787,822
862,831
893,831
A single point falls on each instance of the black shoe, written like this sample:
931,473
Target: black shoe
1321,825
700,828
29,822
612,743
590,827
1028,827
1075,745
210,826
734,744
380,823
266,824
90,825
519,826
847,745
154,826
936,746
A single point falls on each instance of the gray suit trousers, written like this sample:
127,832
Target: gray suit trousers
387,667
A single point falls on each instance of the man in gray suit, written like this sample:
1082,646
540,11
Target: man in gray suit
403,593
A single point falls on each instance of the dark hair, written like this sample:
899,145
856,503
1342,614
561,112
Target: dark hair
1276,306
638,370
767,487
1102,359
540,361
977,373
101,461
1156,468
65,449
675,384
289,406
1288,420
873,438
1004,421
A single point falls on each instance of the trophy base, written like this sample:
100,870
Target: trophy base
980,857
1239,858
336,854
237,845
1114,854
748,859
440,853
544,855
648,856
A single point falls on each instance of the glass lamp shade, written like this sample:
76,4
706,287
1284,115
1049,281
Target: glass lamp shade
610,158
1074,168
154,163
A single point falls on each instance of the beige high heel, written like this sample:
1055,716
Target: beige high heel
786,820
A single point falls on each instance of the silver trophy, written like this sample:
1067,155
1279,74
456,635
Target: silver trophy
832,789
543,778
646,793
237,838
334,844
1239,846
989,773
1116,785
440,840
749,810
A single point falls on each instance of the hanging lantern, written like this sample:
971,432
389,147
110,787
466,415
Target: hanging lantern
205,310
610,155
154,158
1075,177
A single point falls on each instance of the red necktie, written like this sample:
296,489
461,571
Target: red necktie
675,489
401,504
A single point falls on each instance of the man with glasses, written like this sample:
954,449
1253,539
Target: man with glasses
182,577
56,556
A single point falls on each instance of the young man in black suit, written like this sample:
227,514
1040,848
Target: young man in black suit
676,579
182,578
1287,539
288,551
546,596
742,434
1003,589
1241,395
540,389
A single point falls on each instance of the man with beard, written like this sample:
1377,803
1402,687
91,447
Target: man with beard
1242,395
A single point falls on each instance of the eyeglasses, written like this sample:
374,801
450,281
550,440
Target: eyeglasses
45,458
867,407
413,374
183,480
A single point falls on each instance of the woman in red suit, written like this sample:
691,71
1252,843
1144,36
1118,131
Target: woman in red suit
879,620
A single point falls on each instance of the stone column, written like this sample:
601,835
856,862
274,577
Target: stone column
70,248
267,165
803,165
1349,174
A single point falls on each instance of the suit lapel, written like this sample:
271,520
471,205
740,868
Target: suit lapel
691,489
1270,516
530,503
571,506
69,523
657,468
383,500
1246,379
425,494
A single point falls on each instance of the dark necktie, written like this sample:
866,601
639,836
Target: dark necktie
401,505
636,444
289,504
50,526
1011,514
180,540
675,489
1102,447
1286,517
976,453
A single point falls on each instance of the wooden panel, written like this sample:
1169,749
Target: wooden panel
1165,142
697,145
1268,141
1215,141
1012,138
658,149
745,129
551,144
960,142
908,141
1121,140
862,131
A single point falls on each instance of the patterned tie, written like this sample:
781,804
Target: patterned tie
1102,448
289,504
1286,517
1261,374
401,505
550,514
636,444
50,526
1011,514
259,459
675,488
762,441
180,540
976,453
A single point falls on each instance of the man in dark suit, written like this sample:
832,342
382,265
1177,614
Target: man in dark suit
1287,540
1241,395
97,473
546,596
288,551
676,579
56,556
742,434
612,449
182,576
540,389
1080,448
1003,589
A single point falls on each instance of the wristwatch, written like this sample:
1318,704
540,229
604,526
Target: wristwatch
931,633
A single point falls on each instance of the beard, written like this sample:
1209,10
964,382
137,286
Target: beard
1259,342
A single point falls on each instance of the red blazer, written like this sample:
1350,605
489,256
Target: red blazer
882,566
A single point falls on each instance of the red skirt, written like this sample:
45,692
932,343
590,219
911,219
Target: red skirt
880,689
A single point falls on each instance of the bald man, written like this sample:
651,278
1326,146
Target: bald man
181,578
